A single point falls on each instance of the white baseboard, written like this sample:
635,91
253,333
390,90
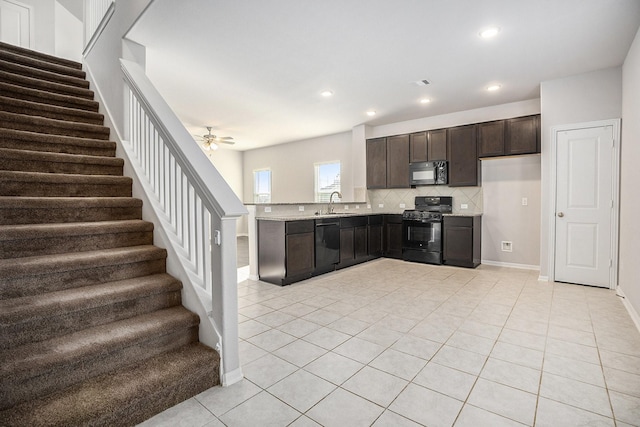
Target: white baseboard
242,234
631,309
232,377
543,278
511,265
254,278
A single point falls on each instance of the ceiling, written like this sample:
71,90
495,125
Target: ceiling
254,69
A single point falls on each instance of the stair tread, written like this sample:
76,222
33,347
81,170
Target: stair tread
69,261
67,202
46,86
49,124
63,178
133,390
24,53
12,153
83,298
53,74
40,356
49,98
41,107
44,231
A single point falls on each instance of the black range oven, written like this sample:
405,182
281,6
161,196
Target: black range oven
422,229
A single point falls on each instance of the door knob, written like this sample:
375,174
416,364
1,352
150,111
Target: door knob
560,214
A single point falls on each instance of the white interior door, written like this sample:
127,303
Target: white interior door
584,205
15,23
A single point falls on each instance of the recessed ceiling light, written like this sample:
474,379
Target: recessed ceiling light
371,113
326,93
425,101
487,33
493,88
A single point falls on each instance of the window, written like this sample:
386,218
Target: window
262,186
327,180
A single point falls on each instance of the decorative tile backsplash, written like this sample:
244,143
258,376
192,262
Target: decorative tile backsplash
392,199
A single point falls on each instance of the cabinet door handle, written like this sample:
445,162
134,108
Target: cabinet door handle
560,214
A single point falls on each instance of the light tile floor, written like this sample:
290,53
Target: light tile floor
391,343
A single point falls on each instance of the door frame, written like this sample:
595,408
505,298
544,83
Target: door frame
615,191
32,30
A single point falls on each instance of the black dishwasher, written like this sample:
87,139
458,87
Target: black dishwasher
327,244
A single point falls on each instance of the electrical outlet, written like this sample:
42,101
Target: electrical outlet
368,206
267,209
507,246
346,207
357,206
301,208
525,201
380,205
402,205
464,206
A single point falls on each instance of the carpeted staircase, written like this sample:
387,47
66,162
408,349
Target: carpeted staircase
92,330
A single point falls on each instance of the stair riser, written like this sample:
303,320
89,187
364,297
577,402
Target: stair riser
50,87
29,165
51,112
33,95
21,387
57,128
40,281
9,216
66,244
38,189
37,73
41,144
40,329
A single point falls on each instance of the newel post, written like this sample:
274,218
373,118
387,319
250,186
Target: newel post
225,297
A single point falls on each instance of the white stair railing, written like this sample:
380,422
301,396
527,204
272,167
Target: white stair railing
96,15
196,207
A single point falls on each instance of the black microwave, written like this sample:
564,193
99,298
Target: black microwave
428,173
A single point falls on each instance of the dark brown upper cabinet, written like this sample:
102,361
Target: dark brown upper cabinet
522,135
398,161
418,147
428,146
462,153
388,162
491,138
437,144
377,163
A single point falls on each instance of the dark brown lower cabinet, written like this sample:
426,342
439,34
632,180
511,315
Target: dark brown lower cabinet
353,240
286,251
393,236
461,238
374,236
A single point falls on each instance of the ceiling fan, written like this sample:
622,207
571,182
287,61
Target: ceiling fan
211,142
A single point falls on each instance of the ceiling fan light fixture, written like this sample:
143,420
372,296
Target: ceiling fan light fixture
493,88
425,101
371,113
326,93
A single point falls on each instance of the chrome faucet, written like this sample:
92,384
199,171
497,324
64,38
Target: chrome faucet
330,206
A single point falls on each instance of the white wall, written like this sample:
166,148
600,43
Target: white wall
68,34
230,165
629,277
292,171
576,99
505,181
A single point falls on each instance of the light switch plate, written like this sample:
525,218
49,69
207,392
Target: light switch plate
380,205
464,206
301,208
346,207
402,205
267,209
525,201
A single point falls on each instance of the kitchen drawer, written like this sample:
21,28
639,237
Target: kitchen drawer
304,226
459,221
